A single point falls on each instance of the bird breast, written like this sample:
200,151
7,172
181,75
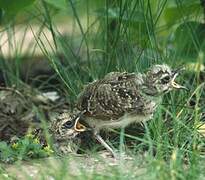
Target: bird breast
117,123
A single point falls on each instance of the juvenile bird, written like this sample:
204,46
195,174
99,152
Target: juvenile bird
121,98
63,132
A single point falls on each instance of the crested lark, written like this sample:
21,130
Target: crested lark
63,132
121,98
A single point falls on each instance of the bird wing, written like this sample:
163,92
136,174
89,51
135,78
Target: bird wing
113,96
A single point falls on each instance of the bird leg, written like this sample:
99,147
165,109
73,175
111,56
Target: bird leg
100,140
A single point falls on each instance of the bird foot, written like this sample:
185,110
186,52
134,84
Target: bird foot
101,141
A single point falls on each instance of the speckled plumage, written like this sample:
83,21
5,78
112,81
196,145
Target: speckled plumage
62,132
119,96
58,127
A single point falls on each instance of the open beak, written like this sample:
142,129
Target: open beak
78,126
177,86
174,84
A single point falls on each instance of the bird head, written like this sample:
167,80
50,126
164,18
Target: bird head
160,79
67,126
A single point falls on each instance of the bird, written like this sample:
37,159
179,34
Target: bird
122,98
63,133
18,119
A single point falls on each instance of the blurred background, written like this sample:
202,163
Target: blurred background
43,42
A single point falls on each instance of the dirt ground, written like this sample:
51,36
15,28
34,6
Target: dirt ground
74,165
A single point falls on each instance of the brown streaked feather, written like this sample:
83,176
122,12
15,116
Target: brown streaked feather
113,96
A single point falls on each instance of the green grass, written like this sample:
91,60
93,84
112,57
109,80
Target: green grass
126,36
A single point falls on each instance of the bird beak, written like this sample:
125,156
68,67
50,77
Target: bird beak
78,126
174,84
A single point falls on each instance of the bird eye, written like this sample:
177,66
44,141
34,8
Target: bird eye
165,79
68,124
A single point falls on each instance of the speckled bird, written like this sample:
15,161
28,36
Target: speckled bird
121,98
18,118
63,132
